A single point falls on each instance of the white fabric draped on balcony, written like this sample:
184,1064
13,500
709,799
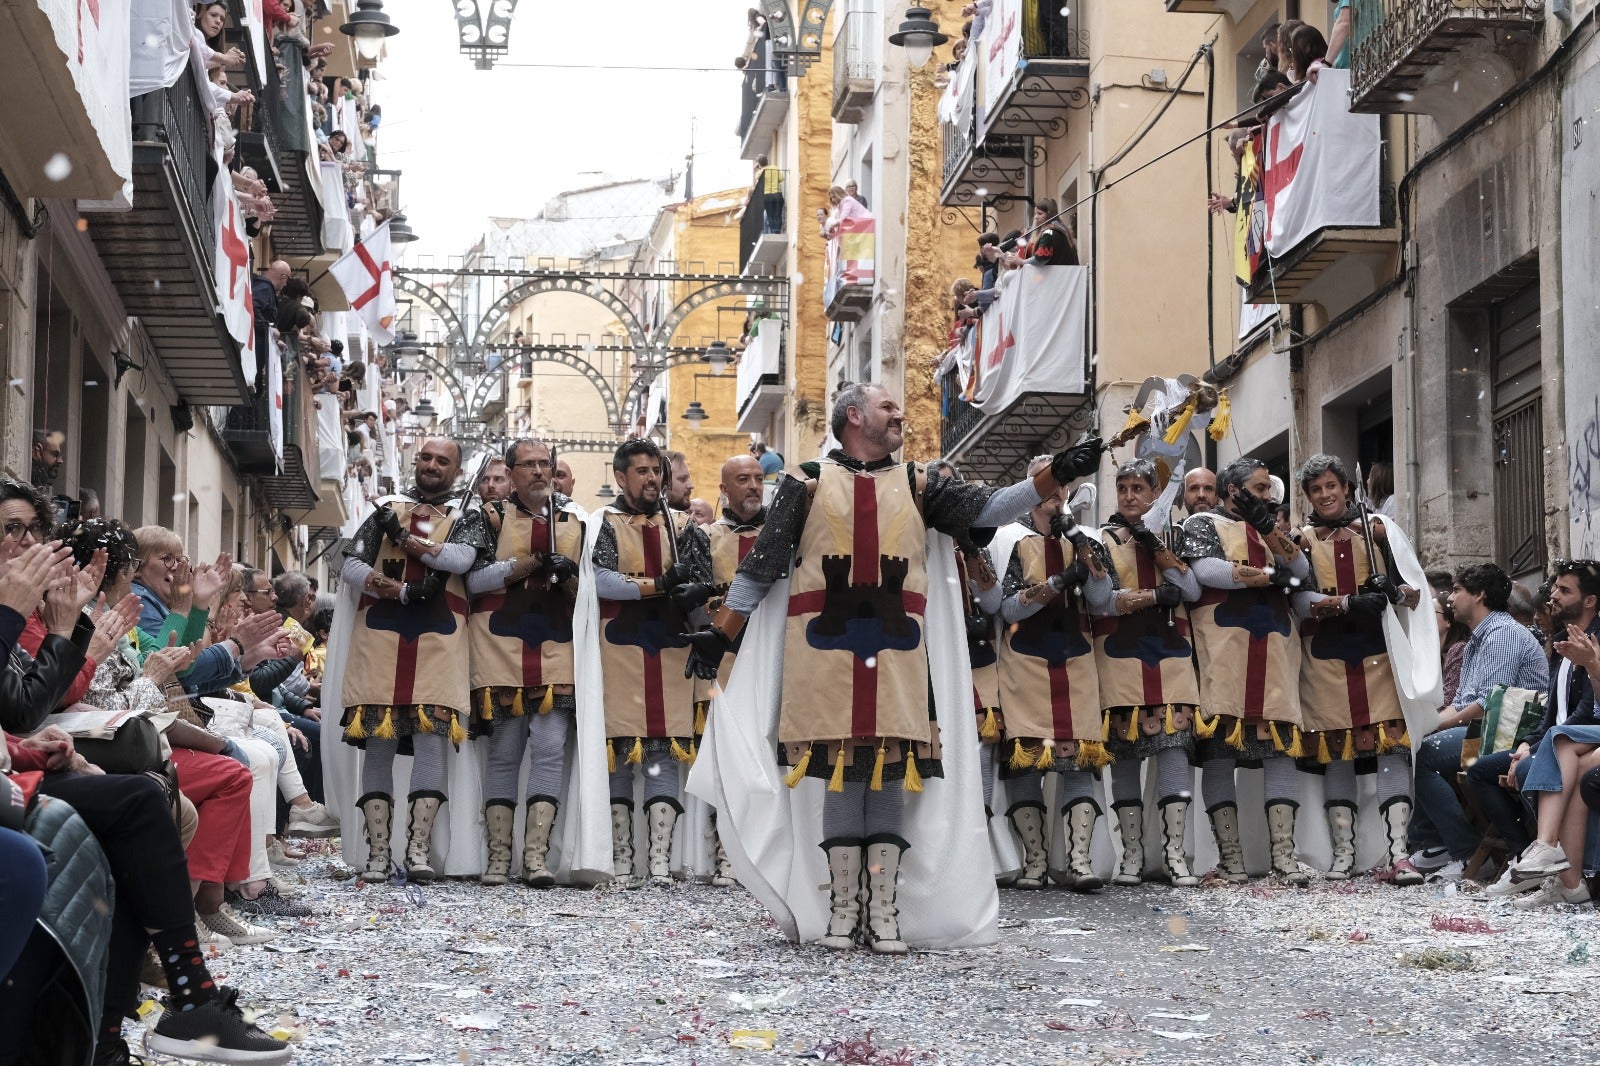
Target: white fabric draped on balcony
1031,340
337,235
161,32
1320,164
330,439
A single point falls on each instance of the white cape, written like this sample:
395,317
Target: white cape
947,896
580,843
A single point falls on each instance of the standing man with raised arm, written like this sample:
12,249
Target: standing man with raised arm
406,669
855,706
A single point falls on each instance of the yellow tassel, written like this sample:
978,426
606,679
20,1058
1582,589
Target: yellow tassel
679,753
797,773
517,708
1277,741
1136,421
549,700
1404,740
1021,758
611,757
1092,755
357,729
1047,757
1324,756
1235,738
1171,726
877,770
1296,749
424,723
700,718
488,704
1180,425
1105,728
385,730
636,756
1221,419
913,782
1349,752
836,782
1133,727
990,730
1203,729
458,732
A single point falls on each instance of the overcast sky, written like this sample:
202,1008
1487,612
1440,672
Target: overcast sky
473,143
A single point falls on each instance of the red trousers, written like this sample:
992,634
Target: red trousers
219,788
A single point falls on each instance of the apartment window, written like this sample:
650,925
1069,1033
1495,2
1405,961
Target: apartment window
1518,437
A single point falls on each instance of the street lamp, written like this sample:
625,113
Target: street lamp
400,232
718,355
424,411
695,414
918,35
370,27
606,492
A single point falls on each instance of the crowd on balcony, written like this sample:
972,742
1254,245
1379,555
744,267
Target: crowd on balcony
190,811
763,72
1048,241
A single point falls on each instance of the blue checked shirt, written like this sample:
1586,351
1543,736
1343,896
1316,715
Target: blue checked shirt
1501,651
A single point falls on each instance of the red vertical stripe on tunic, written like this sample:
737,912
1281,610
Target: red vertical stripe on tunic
1060,683
655,707
1355,674
532,655
1255,678
1149,578
864,550
405,666
745,544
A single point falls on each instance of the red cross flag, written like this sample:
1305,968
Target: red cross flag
366,275
231,270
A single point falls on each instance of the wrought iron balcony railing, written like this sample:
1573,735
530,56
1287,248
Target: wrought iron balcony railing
855,65
1397,45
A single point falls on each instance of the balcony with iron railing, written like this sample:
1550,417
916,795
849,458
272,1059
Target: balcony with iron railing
1235,9
973,172
763,103
1035,95
847,290
856,55
763,240
1411,56
760,389
257,432
297,227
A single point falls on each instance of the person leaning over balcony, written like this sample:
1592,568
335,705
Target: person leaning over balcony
853,191
210,19
1050,240
769,180
1500,652
1286,30
1308,51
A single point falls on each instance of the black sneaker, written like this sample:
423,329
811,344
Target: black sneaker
116,1053
271,902
216,1032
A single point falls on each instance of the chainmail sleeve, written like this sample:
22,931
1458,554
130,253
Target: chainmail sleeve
775,545
952,507
365,545
604,555
474,529
1200,540
694,551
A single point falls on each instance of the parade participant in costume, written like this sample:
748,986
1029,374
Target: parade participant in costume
1350,703
651,569
677,484
1148,687
405,677
1055,575
981,596
869,590
1248,657
523,586
732,536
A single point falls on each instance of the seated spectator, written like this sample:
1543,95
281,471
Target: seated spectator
1499,652
1453,640
1569,701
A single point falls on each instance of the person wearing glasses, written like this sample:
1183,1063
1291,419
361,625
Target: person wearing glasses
651,570
405,668
524,585
1352,698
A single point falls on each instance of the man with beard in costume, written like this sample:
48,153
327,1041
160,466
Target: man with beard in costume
406,672
1247,648
855,708
652,568
1147,682
732,536
523,585
1350,704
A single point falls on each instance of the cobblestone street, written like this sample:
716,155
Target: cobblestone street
1259,974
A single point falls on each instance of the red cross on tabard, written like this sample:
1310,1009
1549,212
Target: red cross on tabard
235,251
94,13
1278,174
375,271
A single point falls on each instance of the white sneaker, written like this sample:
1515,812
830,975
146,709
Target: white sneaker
1450,871
1538,861
1430,859
236,929
313,821
1506,887
209,937
1552,892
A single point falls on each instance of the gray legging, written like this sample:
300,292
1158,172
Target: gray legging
1281,784
986,773
660,777
1173,777
858,812
1072,785
427,766
1394,780
545,738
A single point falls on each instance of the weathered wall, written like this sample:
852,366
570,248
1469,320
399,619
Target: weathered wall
1580,308
810,139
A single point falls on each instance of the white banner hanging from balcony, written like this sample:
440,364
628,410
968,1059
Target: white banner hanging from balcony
1031,339
255,24
275,403
1320,164
1002,50
162,33
366,274
231,271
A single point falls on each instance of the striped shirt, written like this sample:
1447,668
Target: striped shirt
1501,651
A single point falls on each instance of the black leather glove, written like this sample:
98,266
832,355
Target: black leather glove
692,594
1385,586
707,646
1283,578
1168,595
1148,540
1366,604
979,627
1072,577
1259,513
1080,460
389,525
672,577
424,588
560,569
1062,524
